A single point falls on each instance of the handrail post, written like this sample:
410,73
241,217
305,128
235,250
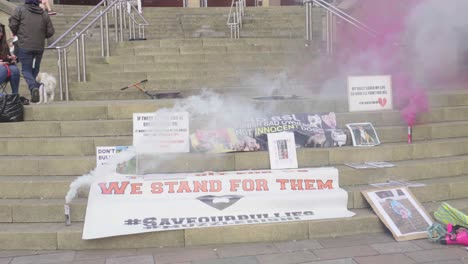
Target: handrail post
106,23
124,14
60,72
308,23
83,57
236,21
65,61
121,21
116,28
101,26
329,32
133,29
130,26
78,64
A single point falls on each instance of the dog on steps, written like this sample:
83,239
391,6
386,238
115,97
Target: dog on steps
47,88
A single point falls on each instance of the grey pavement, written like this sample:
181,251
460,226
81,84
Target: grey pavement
379,248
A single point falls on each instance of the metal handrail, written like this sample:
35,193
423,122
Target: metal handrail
119,11
332,11
236,17
346,17
77,35
51,46
141,26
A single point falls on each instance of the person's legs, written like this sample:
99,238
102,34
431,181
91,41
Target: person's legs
14,79
46,5
26,57
3,74
37,55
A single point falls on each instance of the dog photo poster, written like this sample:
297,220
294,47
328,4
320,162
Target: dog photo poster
363,134
400,212
282,150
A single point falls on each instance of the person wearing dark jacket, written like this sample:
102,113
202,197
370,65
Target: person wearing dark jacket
32,25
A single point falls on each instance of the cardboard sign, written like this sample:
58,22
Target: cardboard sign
400,212
119,205
161,132
370,93
282,150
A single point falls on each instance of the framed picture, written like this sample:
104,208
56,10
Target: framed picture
400,212
282,150
363,134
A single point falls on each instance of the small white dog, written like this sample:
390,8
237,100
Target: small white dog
46,91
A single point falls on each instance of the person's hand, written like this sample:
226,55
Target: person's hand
12,58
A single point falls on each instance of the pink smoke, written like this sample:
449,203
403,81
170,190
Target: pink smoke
384,54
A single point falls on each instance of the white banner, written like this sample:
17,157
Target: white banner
161,133
368,93
130,205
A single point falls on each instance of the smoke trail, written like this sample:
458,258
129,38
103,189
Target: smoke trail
99,172
209,110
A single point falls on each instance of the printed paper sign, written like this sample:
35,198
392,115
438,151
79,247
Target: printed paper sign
161,132
369,93
282,150
119,205
104,154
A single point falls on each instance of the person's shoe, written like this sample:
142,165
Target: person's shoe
35,95
52,13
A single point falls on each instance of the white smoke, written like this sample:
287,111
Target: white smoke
100,172
207,110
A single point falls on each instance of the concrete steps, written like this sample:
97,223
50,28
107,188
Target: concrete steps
182,65
58,236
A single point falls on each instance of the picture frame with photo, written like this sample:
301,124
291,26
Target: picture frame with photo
282,150
363,134
401,213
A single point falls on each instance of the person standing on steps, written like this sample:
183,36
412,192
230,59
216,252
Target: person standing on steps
32,25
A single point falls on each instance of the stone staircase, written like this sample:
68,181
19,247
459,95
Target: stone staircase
183,47
56,143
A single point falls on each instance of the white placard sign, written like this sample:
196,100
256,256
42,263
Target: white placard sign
282,150
104,154
369,93
120,205
161,133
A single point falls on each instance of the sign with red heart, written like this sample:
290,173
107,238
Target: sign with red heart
382,101
369,93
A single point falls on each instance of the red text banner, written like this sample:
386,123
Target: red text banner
129,205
